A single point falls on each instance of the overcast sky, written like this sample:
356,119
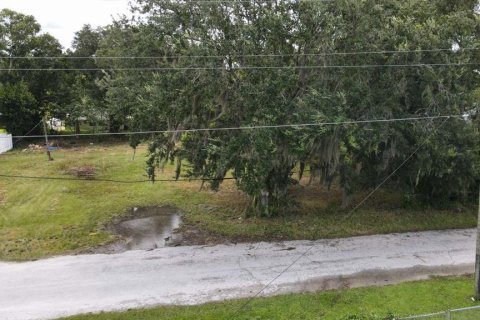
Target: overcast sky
62,18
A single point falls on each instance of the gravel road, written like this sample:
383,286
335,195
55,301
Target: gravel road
68,285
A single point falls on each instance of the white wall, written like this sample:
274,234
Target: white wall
5,142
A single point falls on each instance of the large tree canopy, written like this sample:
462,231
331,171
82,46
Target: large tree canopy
191,64
86,97
252,63
21,44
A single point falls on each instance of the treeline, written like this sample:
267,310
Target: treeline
187,64
28,91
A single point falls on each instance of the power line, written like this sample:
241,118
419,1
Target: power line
30,131
240,1
243,55
303,254
119,181
251,127
110,180
360,66
248,1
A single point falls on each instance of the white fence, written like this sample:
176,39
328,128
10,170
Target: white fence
5,142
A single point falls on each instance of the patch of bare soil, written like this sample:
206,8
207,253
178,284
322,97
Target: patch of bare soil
87,172
379,277
34,148
193,236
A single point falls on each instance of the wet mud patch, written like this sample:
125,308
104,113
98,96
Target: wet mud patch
145,228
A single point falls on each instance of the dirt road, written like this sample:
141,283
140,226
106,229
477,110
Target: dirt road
70,285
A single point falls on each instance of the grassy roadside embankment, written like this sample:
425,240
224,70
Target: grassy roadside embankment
41,218
402,300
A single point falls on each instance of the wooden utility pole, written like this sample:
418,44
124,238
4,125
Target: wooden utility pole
46,138
477,256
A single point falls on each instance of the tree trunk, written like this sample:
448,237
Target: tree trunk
347,198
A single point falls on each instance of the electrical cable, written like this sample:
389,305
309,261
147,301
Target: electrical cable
110,180
245,1
27,134
241,55
224,68
303,254
249,127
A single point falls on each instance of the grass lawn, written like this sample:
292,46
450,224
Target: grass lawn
404,299
40,218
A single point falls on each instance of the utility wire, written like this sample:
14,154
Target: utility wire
299,125
233,1
116,180
110,180
30,131
360,66
248,1
303,254
220,179
243,55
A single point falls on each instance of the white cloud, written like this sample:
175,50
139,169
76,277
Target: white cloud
62,18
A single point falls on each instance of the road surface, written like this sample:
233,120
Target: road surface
70,285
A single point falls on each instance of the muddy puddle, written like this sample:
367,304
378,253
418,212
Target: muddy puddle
145,228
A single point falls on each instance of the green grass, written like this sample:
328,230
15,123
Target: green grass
404,299
40,218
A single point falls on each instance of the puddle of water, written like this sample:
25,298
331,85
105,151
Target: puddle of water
149,232
145,228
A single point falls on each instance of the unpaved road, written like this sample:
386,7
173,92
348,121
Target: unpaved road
190,275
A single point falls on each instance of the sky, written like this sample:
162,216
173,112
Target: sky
62,18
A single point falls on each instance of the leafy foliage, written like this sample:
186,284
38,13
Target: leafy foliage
214,65
38,92
259,55
17,105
